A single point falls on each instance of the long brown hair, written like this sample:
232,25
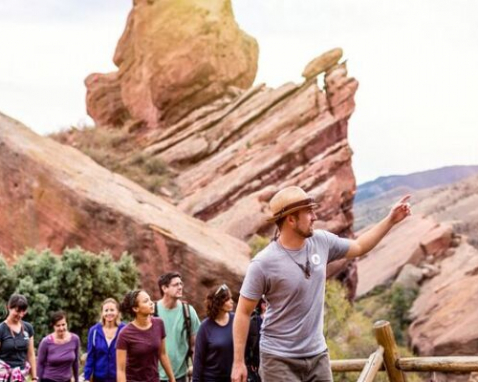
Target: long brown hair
215,300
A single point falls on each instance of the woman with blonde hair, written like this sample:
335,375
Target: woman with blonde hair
101,357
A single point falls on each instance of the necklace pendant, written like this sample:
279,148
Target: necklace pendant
307,270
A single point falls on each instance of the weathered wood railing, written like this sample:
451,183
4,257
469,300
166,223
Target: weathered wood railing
388,358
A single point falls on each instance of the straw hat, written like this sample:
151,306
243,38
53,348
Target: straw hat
289,200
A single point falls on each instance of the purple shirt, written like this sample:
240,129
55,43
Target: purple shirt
142,351
58,362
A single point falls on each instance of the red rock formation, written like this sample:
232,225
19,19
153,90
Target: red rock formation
409,243
52,196
445,312
232,160
173,57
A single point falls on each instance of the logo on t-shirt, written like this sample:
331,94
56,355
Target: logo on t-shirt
315,258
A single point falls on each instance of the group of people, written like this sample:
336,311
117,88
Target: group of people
286,280
125,352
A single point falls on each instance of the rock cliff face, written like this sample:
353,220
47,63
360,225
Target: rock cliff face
417,240
445,312
173,57
53,196
183,66
231,160
444,267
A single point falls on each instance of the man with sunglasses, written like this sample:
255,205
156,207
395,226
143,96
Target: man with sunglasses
181,323
291,273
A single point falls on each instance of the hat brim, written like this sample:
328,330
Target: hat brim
290,211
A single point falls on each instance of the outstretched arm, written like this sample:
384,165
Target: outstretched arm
372,237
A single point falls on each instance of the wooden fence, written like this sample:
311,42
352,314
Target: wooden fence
387,358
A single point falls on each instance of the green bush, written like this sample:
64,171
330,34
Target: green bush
76,282
257,243
401,300
349,331
392,304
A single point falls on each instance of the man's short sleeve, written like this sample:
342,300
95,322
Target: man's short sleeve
254,283
338,246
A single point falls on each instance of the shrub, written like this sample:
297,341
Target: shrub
349,331
76,282
257,243
401,300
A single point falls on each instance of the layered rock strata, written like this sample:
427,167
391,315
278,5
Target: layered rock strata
232,159
445,314
52,196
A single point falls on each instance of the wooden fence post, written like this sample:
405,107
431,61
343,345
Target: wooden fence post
384,335
373,365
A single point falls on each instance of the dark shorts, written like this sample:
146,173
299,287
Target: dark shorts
309,369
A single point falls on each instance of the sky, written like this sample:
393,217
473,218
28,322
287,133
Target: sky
415,60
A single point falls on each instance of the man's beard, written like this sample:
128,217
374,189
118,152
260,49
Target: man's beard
304,234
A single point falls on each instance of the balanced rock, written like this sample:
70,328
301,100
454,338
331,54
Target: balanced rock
173,57
322,63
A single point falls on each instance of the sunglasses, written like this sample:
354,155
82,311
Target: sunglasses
223,287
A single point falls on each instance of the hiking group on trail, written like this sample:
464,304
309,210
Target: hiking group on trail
275,334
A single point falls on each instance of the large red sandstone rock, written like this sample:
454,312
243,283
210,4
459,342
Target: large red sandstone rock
445,313
403,245
231,161
173,57
52,196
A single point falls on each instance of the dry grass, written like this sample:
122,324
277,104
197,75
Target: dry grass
116,150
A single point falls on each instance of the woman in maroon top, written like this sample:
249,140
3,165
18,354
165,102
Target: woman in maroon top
141,343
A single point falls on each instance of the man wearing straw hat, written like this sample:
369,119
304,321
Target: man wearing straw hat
290,272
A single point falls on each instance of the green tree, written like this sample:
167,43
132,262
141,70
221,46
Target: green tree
76,282
349,332
7,285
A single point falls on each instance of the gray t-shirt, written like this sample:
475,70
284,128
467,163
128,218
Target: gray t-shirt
294,320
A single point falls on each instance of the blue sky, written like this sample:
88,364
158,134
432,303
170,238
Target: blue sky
415,60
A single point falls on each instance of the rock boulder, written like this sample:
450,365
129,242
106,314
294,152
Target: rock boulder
52,196
445,314
173,57
403,245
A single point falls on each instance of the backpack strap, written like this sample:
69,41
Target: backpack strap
187,327
156,312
